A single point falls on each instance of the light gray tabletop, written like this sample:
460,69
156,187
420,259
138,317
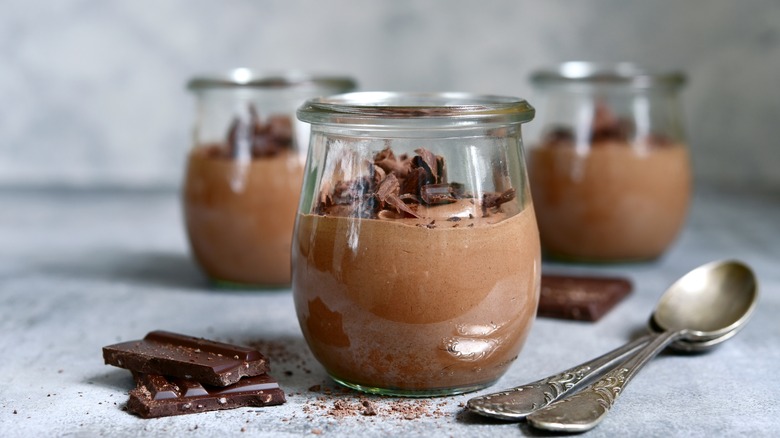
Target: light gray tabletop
80,270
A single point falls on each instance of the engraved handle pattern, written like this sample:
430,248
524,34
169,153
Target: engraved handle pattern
584,410
517,403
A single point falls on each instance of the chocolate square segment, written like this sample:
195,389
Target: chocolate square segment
172,354
162,396
584,298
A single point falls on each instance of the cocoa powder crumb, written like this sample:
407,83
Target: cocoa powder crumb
369,408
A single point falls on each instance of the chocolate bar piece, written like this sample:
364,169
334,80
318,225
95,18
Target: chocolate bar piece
583,298
161,396
171,354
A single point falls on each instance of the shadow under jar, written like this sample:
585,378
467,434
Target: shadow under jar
416,257
610,170
244,173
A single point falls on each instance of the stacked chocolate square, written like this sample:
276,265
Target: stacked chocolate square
177,374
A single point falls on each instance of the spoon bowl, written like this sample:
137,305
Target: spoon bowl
702,303
710,301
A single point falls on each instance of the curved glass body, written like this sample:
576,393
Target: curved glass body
244,173
416,258
610,171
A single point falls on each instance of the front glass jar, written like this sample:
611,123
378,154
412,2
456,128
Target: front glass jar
416,258
609,170
244,173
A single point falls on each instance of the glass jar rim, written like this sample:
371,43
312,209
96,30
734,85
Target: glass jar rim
387,108
248,78
621,73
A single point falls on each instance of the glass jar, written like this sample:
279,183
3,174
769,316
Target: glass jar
416,258
244,173
609,170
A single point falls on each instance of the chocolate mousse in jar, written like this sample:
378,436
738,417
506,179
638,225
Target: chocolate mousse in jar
416,256
244,173
610,168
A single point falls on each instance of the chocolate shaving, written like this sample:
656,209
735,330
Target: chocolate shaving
559,136
492,201
605,126
379,174
399,205
387,193
427,160
394,187
388,186
441,169
262,139
417,178
410,197
350,198
386,160
658,140
435,194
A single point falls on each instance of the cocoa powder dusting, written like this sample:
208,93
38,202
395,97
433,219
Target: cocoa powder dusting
359,406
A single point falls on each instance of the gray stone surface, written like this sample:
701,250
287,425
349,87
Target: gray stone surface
80,270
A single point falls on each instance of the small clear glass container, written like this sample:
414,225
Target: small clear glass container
416,257
244,172
610,168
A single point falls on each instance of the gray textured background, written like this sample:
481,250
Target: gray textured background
92,93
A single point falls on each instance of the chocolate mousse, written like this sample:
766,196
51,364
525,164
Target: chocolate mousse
616,196
405,283
240,199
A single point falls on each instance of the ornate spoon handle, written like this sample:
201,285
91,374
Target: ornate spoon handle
584,410
517,403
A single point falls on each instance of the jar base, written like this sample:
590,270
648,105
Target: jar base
412,393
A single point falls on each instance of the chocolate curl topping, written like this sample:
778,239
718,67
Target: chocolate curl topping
387,193
262,139
417,178
605,126
427,160
434,194
492,201
388,186
386,160
394,184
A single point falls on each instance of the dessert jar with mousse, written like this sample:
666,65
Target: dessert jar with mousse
244,173
610,169
416,256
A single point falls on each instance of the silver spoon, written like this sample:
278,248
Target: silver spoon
519,402
708,305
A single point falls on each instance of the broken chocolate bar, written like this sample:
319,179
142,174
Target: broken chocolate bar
580,298
161,396
171,354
